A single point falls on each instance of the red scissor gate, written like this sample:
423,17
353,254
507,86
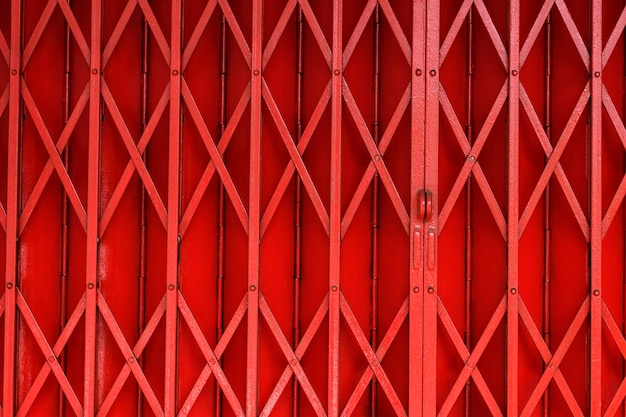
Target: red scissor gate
300,207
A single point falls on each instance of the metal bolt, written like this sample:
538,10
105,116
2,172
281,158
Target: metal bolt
94,71
14,72
433,72
472,158
175,72
596,292
553,366
374,362
431,290
334,288
418,72
131,360
50,359
293,361
597,74
90,285
212,361
336,72
514,72
170,287
513,290
252,288
9,285
416,289
470,365
376,157
255,72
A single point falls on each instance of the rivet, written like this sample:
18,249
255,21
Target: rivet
514,72
212,361
293,361
472,158
170,287
334,288
418,72
431,290
175,72
14,72
50,359
9,285
94,71
90,285
255,72
374,362
336,72
552,366
470,365
597,74
513,290
252,288
433,72
596,292
416,289
376,157
131,360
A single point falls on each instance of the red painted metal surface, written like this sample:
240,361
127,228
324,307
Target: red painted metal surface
368,208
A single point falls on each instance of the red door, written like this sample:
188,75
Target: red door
313,208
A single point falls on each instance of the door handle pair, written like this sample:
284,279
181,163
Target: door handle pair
425,213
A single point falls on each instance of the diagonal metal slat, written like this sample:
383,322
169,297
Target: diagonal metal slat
229,332
210,356
129,355
381,352
371,357
546,355
376,157
48,352
141,344
301,349
470,359
290,355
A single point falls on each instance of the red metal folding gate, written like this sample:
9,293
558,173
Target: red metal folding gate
296,207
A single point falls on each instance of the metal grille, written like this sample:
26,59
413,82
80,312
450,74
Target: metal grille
294,207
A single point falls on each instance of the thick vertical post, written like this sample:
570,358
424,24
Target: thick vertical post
335,212
93,206
254,236
430,225
13,150
513,213
595,402
173,193
416,276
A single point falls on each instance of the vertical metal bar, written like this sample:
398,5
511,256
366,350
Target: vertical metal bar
221,203
547,211
430,226
298,202
595,403
469,131
143,221
375,204
335,212
93,196
512,344
173,194
12,208
67,98
254,236
416,274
